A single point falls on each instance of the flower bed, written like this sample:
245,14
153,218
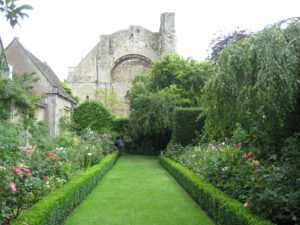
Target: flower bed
29,173
55,207
225,210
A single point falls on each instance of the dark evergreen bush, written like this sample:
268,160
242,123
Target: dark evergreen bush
92,114
121,126
185,124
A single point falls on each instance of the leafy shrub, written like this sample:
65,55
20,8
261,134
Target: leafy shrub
121,126
239,135
92,114
43,166
270,190
39,135
54,208
186,124
174,151
223,209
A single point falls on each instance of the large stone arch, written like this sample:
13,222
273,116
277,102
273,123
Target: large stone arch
122,73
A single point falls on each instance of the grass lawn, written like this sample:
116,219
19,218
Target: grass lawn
138,191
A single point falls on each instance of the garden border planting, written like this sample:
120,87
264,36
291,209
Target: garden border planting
55,207
225,210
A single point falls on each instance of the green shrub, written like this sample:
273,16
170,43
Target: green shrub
121,126
92,114
185,124
174,151
225,210
54,208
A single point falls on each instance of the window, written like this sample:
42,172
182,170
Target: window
87,97
10,75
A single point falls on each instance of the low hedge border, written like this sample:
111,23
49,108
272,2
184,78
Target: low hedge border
55,207
225,210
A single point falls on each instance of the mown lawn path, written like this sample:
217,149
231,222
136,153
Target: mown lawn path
138,191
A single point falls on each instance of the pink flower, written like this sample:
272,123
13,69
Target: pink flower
106,135
13,187
27,172
245,156
246,205
239,144
250,153
16,170
99,150
54,163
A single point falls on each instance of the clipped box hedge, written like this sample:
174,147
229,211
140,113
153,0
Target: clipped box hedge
225,210
185,124
55,207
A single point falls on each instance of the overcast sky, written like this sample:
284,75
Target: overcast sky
62,32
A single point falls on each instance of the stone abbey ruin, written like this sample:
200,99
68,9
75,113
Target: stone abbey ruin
117,57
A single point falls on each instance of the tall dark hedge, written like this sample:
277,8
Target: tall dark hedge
121,125
185,124
92,114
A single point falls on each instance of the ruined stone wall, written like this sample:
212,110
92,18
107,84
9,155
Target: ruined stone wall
82,78
118,57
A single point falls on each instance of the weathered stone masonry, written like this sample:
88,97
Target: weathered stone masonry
114,61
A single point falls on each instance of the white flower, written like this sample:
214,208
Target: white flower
225,168
2,168
223,143
193,155
89,154
294,218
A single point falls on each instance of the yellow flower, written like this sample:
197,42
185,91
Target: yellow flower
254,163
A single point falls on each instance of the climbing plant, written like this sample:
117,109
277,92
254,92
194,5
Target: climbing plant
18,93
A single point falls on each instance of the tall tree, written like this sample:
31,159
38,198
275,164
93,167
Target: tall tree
12,12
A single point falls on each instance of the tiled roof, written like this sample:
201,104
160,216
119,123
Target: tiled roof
48,73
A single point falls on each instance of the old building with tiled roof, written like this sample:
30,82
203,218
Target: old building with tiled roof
57,101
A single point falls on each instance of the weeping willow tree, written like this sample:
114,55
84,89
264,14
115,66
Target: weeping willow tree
256,83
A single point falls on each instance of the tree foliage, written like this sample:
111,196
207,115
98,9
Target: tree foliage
12,12
150,111
256,83
108,99
183,77
218,44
